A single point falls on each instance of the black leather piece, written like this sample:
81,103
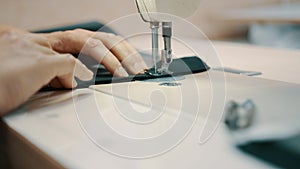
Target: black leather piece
284,153
181,66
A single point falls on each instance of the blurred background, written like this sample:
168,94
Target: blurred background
261,22
269,23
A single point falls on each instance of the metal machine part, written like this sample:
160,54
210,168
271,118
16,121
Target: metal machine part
166,53
239,116
155,51
151,10
148,12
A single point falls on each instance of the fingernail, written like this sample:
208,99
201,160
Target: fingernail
88,75
82,72
74,83
140,67
121,72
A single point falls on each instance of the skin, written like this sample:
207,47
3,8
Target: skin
32,61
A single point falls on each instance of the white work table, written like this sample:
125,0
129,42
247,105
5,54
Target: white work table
54,132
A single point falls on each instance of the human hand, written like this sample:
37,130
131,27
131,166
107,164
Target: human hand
28,63
108,49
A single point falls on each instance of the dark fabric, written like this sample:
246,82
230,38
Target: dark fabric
284,153
182,66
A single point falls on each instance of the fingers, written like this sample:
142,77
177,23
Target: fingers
108,49
41,40
41,48
68,41
67,81
99,51
126,53
55,83
65,67
81,71
131,59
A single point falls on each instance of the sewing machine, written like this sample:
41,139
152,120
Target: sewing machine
161,13
49,126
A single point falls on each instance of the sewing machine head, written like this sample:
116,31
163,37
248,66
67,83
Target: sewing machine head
153,10
161,13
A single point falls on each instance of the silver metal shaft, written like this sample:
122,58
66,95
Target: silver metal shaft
155,51
166,54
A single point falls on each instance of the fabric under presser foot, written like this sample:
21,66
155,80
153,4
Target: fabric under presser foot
179,67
